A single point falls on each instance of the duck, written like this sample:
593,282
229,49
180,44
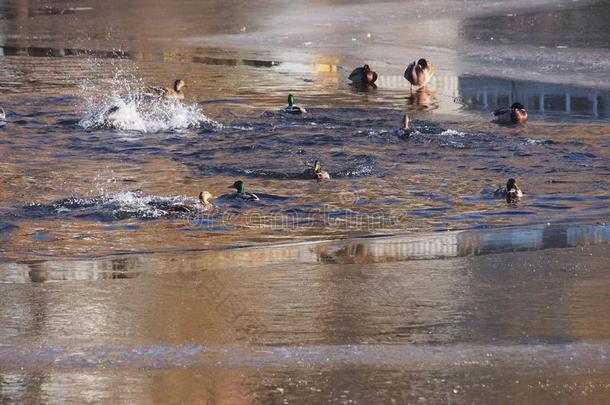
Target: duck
406,130
363,76
317,173
419,73
2,114
292,107
241,193
202,205
174,93
515,114
511,192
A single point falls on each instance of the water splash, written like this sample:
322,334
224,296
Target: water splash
120,103
116,206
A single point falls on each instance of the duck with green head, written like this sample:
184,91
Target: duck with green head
511,192
293,108
241,193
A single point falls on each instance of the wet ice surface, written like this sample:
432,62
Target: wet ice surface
277,323
102,285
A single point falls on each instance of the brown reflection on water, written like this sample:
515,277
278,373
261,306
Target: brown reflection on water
491,320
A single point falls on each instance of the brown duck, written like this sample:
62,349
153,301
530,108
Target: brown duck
515,114
174,93
363,75
419,73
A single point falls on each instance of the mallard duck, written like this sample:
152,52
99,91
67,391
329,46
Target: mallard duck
318,173
363,75
292,107
419,73
174,93
406,130
515,114
241,192
202,205
511,192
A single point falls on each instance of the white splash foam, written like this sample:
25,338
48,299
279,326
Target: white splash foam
120,104
125,204
452,132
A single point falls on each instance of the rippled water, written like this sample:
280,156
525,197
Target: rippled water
65,161
402,279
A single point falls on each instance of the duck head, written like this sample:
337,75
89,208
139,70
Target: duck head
517,106
368,75
204,197
371,77
239,186
291,100
518,113
179,85
511,184
317,167
423,63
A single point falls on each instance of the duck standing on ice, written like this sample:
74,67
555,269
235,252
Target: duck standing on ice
419,73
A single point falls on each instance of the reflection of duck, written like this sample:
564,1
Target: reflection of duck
174,93
511,192
202,205
515,114
406,130
363,76
317,173
241,192
419,73
292,107
421,97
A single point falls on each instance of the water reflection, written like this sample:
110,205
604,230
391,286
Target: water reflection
363,251
490,94
447,90
423,96
340,329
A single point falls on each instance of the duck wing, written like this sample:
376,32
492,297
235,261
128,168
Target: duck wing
500,192
410,73
157,91
180,208
502,111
